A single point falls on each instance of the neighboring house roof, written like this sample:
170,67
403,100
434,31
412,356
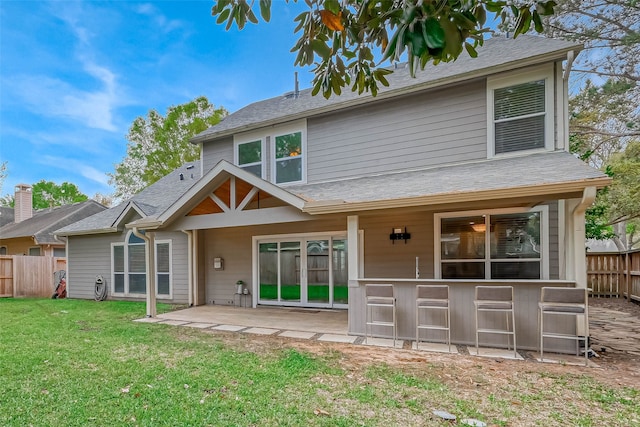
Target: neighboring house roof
152,201
44,222
599,246
6,215
498,54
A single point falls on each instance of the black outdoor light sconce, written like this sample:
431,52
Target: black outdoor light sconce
397,234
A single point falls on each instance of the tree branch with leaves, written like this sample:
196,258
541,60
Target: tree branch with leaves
347,40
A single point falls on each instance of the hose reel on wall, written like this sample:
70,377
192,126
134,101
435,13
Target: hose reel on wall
100,288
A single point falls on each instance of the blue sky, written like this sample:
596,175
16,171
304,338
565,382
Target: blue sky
74,76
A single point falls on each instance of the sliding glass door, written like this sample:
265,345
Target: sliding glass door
308,272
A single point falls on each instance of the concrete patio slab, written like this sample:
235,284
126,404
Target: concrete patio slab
494,352
199,325
261,331
347,339
564,359
298,335
435,347
383,342
229,328
281,318
149,320
175,322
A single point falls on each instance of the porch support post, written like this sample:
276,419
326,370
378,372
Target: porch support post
353,249
149,239
189,234
194,266
580,263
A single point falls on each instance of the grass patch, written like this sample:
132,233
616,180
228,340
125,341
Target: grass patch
85,363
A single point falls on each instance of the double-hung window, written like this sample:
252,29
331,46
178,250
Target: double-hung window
249,156
289,158
507,244
129,270
163,268
520,110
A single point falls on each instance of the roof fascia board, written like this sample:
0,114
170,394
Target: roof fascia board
130,205
225,167
516,192
507,66
88,232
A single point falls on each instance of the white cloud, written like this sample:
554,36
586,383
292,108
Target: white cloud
76,167
57,98
167,25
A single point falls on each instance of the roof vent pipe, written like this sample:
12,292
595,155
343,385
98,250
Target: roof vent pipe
296,90
181,177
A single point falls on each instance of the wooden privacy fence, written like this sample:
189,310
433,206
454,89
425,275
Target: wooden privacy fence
614,274
28,276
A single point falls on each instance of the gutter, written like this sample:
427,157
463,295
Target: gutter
334,107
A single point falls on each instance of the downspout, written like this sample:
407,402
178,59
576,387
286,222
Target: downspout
580,265
189,234
151,273
565,103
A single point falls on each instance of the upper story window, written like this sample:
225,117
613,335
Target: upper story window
521,113
276,154
289,158
249,156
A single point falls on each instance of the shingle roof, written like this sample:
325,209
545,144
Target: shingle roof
45,222
6,215
500,174
497,54
153,200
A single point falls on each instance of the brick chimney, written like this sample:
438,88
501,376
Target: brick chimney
23,203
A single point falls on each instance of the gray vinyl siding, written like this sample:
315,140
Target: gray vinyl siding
385,258
424,129
213,152
89,256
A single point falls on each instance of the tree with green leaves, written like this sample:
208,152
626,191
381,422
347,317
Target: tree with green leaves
159,144
347,40
605,113
48,194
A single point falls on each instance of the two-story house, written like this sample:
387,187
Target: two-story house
460,175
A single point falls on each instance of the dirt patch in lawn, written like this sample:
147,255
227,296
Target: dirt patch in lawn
615,332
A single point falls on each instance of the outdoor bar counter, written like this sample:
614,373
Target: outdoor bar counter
461,296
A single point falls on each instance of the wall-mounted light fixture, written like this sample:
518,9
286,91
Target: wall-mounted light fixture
399,234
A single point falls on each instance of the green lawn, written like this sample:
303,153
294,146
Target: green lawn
85,363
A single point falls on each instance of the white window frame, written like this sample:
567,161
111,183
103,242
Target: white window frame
170,273
299,126
245,139
532,74
125,254
544,239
